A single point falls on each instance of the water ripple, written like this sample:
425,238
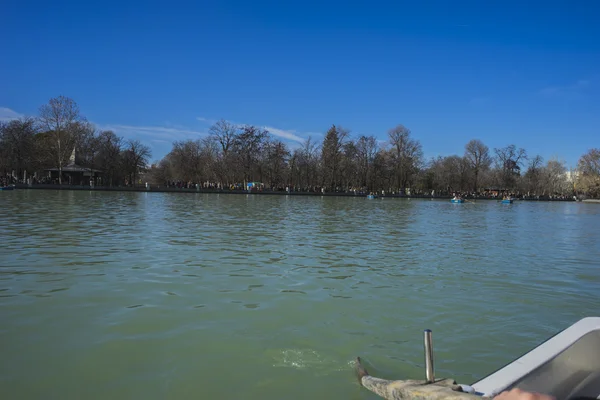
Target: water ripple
187,291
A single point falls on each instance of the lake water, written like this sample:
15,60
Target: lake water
107,295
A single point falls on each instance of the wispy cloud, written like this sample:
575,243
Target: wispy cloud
566,90
286,134
167,133
152,132
6,114
289,135
206,120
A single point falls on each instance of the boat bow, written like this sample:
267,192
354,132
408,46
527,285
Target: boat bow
441,389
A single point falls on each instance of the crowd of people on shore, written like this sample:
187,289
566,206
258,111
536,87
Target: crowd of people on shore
508,195
495,194
6,180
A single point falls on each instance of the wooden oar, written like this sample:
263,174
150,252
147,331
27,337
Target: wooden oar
439,389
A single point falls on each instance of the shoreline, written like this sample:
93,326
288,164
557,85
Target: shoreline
163,189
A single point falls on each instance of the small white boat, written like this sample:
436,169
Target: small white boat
566,366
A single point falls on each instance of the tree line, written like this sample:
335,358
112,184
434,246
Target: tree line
232,155
31,145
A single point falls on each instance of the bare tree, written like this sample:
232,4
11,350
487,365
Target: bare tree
555,178
450,174
209,156
303,165
349,165
276,160
367,149
135,158
248,145
160,171
186,157
331,156
225,133
407,156
60,117
17,144
110,147
588,180
192,160
88,144
509,160
478,157
310,153
384,171
533,176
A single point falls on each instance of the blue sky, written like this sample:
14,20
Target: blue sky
505,72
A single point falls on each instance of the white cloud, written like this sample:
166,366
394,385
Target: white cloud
206,120
6,114
289,135
167,133
282,133
153,132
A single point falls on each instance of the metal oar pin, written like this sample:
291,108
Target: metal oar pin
428,343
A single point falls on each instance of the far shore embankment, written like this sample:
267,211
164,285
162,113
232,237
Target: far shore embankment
166,189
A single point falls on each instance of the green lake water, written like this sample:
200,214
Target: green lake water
107,295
